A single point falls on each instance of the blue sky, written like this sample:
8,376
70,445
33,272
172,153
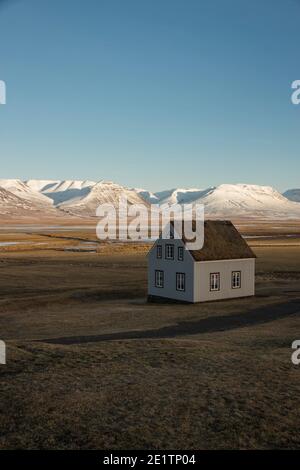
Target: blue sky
154,94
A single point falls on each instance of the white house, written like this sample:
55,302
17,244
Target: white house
224,268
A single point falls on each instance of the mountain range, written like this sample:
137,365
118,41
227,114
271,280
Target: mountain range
233,200
51,198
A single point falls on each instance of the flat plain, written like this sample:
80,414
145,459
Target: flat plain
91,364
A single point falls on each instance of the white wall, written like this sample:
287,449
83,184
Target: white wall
197,276
202,272
170,267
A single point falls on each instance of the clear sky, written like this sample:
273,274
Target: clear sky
151,93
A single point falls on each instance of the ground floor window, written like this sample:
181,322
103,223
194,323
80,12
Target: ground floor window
214,281
236,279
159,278
180,281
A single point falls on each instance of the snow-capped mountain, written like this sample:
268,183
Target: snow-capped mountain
19,200
181,196
238,200
62,191
100,193
235,200
172,196
231,200
23,191
63,198
81,198
11,204
292,195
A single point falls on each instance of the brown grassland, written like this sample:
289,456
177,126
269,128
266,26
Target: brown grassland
92,365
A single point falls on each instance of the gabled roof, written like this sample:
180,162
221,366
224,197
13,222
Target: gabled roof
221,241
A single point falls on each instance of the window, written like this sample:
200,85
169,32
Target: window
169,251
180,253
236,279
159,279
215,281
180,281
159,251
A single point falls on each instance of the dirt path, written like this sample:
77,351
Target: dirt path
207,325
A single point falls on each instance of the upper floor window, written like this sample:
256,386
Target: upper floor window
236,279
169,251
180,253
180,281
159,251
159,278
214,281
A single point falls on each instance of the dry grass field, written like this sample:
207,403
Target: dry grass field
91,365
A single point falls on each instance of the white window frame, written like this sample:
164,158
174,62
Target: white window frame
236,279
180,250
159,278
169,255
214,282
180,282
159,251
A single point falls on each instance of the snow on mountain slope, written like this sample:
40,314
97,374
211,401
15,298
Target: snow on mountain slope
100,193
147,196
23,191
61,191
67,190
54,197
233,200
180,195
41,185
13,206
292,195
67,185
